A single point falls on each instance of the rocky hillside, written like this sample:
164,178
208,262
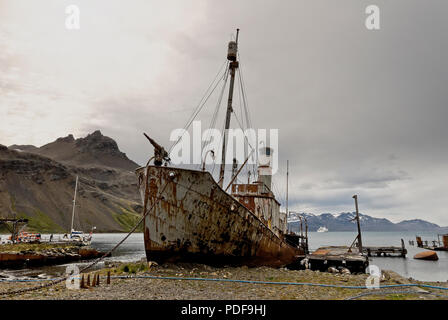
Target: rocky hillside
38,183
93,150
344,222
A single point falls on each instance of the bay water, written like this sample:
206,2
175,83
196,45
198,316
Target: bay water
133,250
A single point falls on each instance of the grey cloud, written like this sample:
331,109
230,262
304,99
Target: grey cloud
357,111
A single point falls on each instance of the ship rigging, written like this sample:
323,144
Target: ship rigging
193,218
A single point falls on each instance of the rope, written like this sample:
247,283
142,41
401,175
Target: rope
268,283
245,104
278,282
381,293
214,117
201,104
97,189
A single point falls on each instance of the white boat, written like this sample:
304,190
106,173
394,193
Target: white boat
77,236
322,229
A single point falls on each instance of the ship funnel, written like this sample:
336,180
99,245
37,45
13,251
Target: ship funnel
264,166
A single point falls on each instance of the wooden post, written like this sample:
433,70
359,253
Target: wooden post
88,280
403,249
306,236
82,284
108,277
93,281
98,279
359,226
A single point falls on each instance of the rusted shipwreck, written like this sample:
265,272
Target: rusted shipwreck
191,217
441,244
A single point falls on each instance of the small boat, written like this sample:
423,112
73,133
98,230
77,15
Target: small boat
5,241
78,237
322,229
427,255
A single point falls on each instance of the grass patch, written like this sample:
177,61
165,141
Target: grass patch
127,219
41,223
133,268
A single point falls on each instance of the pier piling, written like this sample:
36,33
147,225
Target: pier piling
82,284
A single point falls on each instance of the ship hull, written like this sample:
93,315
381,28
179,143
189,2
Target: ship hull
191,219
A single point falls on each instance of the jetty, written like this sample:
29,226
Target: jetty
338,257
333,258
441,244
386,251
354,258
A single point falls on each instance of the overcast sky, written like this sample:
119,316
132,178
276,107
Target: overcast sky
358,111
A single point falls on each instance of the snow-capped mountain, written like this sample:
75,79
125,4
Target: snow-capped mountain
344,222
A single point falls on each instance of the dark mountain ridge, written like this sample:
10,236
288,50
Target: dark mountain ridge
94,149
38,183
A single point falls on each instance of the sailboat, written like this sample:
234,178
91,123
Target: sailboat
190,216
78,237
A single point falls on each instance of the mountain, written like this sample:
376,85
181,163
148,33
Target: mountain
418,224
38,183
26,147
344,222
94,149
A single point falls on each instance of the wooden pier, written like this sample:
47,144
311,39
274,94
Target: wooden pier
338,256
437,245
385,251
349,257
355,257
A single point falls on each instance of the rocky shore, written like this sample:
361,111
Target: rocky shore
28,255
154,289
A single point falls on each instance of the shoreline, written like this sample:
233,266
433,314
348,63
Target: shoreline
124,286
19,256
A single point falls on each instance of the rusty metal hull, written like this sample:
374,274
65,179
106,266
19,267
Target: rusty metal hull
193,219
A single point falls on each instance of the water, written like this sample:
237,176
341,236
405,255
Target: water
407,267
133,249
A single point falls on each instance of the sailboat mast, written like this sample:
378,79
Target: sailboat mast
233,65
74,204
287,185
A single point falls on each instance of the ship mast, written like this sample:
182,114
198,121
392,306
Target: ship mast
233,65
287,185
74,204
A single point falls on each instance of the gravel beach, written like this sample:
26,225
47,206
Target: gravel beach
158,289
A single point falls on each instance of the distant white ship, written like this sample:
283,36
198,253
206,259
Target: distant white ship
322,229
